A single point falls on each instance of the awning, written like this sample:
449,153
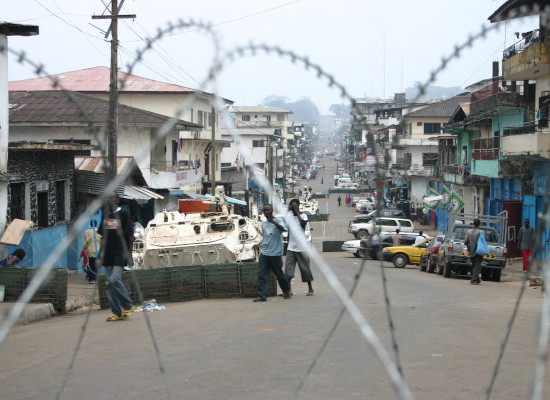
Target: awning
139,193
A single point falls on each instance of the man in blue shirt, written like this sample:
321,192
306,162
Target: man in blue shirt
271,255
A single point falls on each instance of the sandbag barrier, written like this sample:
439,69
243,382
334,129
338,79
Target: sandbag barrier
53,289
332,245
185,283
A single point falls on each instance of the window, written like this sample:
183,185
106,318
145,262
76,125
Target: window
192,115
226,144
419,124
267,117
209,119
429,159
17,201
245,117
199,117
226,164
405,223
430,128
258,143
60,201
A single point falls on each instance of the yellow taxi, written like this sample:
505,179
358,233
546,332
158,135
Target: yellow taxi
400,256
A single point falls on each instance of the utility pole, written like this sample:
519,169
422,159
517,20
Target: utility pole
213,151
112,123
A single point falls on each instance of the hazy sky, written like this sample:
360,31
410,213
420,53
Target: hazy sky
374,48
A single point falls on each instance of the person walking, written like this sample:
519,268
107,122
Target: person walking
339,201
471,242
397,239
117,233
526,243
296,250
271,255
91,243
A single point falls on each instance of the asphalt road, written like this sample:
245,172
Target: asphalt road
448,335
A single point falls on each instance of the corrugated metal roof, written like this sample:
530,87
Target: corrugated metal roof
95,164
96,80
140,193
443,109
55,107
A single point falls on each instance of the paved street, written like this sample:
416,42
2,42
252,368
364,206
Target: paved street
448,334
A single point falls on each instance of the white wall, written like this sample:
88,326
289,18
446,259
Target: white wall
4,131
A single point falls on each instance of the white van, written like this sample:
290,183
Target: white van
343,180
363,230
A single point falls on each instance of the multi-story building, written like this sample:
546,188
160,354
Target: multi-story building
264,132
188,150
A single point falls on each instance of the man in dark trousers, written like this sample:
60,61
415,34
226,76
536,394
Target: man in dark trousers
271,255
117,233
296,250
471,241
526,243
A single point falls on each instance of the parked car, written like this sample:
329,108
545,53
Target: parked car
453,254
430,255
369,206
356,199
385,212
363,230
366,203
352,246
372,247
401,256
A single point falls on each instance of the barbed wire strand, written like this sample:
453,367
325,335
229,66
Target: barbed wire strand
396,377
78,343
329,335
348,303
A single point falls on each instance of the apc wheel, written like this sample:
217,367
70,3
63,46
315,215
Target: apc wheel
496,275
400,260
356,254
363,234
447,270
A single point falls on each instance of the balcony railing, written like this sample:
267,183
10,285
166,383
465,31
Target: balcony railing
529,39
521,129
456,169
173,166
486,149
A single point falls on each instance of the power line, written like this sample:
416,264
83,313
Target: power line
235,19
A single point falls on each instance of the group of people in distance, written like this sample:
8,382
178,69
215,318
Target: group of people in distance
271,252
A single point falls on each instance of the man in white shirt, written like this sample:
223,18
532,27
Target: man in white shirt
296,251
420,237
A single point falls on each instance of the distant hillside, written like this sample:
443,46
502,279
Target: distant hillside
303,110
